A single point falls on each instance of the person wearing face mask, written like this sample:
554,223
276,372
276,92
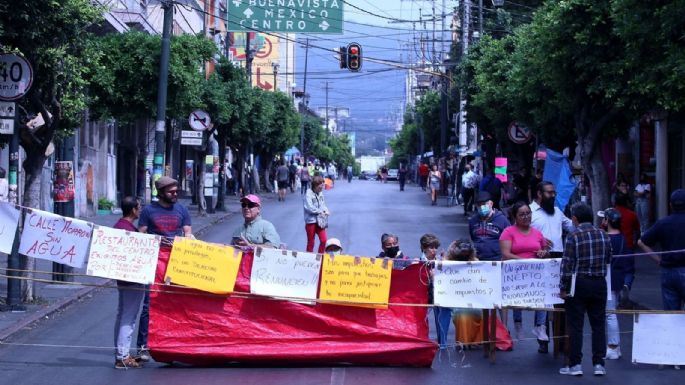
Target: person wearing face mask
333,246
485,228
390,243
551,222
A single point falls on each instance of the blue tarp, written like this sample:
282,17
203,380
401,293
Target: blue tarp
558,171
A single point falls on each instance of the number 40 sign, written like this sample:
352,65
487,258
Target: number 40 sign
16,76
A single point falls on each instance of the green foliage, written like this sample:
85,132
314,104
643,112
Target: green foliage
105,204
405,144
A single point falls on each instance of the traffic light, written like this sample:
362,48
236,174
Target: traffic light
342,51
354,57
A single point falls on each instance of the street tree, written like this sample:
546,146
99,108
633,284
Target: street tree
52,36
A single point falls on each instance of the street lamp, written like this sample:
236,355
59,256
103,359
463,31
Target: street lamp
275,67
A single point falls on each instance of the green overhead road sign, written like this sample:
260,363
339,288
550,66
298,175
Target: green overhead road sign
293,16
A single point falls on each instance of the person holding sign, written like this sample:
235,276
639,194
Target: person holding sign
522,241
130,296
316,215
168,219
333,246
390,243
255,230
486,227
587,255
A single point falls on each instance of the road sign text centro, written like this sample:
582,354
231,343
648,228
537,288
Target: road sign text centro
317,16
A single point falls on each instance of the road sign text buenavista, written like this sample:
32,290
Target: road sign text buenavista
315,16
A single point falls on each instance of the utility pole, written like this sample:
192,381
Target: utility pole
304,98
248,58
13,262
160,123
465,27
327,88
480,19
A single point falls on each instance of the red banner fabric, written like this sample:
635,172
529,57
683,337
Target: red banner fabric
199,328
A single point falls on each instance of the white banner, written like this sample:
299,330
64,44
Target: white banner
282,273
531,282
123,255
658,339
475,285
9,220
55,238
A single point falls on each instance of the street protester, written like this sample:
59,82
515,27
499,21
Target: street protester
522,241
467,322
423,175
669,233
131,296
586,259
390,245
282,180
169,219
469,182
434,179
429,244
551,222
630,228
486,227
255,231
611,222
333,246
305,177
316,214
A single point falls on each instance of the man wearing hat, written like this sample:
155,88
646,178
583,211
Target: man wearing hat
333,246
485,228
166,218
669,233
255,230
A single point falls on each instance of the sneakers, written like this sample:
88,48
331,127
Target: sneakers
613,353
127,363
575,370
517,330
599,370
143,354
540,333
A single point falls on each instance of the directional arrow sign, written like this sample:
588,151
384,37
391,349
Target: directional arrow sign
325,16
7,109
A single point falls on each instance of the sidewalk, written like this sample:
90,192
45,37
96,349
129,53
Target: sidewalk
51,297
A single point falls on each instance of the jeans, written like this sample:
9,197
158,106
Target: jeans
443,319
467,194
313,229
673,287
144,323
304,186
130,298
591,298
540,317
642,211
613,332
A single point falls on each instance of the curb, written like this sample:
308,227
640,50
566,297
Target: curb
70,299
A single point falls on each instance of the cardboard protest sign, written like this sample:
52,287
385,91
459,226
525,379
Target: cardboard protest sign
282,273
204,266
55,238
658,339
475,285
123,255
9,221
356,280
531,282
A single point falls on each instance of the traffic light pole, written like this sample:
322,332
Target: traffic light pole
13,264
160,124
304,105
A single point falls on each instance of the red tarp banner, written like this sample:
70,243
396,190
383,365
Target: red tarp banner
212,330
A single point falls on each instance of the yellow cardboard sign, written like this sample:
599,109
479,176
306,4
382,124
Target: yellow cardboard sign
204,266
356,280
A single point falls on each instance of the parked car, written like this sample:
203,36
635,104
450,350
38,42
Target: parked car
393,173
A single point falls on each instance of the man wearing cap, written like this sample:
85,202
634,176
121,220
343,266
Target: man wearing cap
485,228
255,230
669,233
168,219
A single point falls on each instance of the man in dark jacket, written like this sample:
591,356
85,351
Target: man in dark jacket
485,228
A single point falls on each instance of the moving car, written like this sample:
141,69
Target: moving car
393,173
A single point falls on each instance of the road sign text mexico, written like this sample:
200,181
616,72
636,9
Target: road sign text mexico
315,16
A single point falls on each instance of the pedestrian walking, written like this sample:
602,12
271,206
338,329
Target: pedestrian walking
643,196
586,258
131,296
316,215
255,231
168,219
402,176
305,177
282,180
469,182
423,175
523,241
434,178
669,233
350,173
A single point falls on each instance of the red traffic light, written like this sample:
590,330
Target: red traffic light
354,57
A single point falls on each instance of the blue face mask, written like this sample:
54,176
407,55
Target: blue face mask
484,210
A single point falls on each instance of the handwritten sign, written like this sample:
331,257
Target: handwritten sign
204,266
281,273
357,280
657,339
9,220
467,284
531,282
55,238
123,255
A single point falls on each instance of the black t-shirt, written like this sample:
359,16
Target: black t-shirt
669,233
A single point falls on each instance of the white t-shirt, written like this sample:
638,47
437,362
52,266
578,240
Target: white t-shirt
642,188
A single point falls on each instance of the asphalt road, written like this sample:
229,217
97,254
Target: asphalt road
75,346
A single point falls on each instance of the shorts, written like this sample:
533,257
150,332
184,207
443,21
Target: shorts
282,184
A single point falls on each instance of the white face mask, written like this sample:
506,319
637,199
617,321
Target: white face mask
335,252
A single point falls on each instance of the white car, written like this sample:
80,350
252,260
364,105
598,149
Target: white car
393,173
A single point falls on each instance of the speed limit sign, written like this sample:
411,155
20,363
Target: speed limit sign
16,76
